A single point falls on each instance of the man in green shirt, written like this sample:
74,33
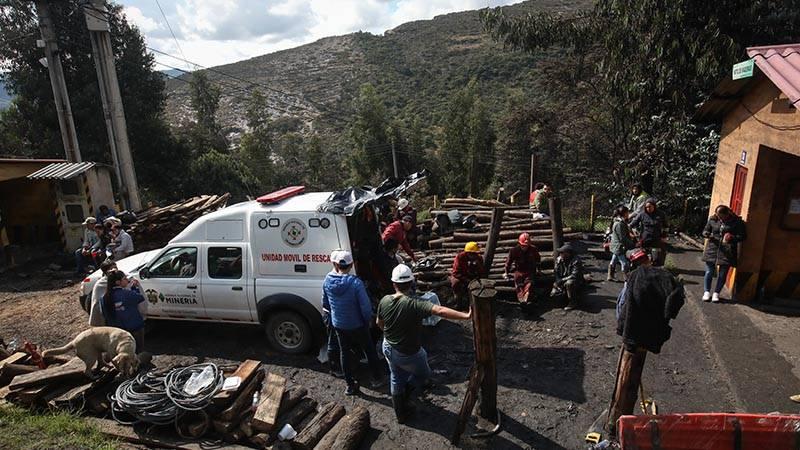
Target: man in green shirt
400,316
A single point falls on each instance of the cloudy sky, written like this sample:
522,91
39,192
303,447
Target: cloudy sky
213,32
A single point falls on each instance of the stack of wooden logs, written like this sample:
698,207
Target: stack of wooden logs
516,220
155,226
232,416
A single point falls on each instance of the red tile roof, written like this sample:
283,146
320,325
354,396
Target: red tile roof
781,64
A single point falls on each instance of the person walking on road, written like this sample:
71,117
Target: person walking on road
345,296
467,266
621,242
723,232
523,259
651,223
400,317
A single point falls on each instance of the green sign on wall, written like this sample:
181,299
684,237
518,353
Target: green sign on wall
743,69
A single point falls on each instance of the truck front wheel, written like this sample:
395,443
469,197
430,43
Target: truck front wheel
289,332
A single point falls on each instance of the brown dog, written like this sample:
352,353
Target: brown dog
90,345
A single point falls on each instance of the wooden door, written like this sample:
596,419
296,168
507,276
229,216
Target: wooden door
737,195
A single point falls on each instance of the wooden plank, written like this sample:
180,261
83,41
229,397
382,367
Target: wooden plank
470,398
133,435
267,411
246,371
325,419
244,400
16,358
73,369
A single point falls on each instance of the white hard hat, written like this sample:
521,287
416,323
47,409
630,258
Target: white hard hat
402,274
402,203
341,257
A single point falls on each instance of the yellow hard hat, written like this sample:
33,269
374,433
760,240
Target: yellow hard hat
471,247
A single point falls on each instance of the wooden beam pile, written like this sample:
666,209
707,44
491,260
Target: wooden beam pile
155,226
516,220
252,414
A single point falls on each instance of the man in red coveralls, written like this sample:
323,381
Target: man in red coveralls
397,231
524,259
467,266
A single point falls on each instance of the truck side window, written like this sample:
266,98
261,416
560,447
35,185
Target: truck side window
178,262
225,262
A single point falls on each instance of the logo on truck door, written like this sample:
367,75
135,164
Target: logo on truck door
294,233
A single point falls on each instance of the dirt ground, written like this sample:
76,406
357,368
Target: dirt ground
555,368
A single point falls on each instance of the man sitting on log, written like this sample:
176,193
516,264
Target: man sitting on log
524,259
569,277
397,230
400,317
467,266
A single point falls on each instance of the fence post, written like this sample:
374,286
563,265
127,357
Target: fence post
556,225
591,216
494,236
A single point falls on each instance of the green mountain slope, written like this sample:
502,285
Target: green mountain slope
414,67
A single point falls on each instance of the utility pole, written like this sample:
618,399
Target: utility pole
60,95
394,157
99,32
533,171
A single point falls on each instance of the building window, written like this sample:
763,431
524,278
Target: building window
74,213
70,187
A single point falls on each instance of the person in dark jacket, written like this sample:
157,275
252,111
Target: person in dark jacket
524,259
651,224
621,242
568,277
345,296
124,306
723,232
467,266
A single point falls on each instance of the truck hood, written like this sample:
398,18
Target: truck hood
129,265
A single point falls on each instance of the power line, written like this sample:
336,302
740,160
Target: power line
170,29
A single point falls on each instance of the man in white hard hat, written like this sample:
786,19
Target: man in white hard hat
344,296
400,316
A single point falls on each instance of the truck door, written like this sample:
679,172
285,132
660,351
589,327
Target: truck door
173,284
225,286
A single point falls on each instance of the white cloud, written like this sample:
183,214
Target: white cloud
146,24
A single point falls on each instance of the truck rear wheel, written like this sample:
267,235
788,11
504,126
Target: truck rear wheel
289,332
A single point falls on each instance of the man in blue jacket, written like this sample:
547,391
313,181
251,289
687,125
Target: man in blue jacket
344,295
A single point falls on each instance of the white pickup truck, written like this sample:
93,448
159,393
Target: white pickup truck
258,262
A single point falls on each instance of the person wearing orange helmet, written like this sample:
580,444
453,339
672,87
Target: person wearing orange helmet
467,266
523,259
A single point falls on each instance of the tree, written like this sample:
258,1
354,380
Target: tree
256,145
515,145
30,126
640,68
205,133
218,172
371,159
467,155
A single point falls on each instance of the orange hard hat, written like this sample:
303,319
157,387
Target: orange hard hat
524,238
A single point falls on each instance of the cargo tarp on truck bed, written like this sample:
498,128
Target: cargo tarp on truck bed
353,199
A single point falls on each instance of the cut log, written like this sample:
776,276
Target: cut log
293,417
243,400
260,440
473,201
325,419
267,411
476,375
30,395
73,369
246,371
348,432
291,397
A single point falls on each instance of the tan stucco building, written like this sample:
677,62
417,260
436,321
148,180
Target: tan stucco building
758,170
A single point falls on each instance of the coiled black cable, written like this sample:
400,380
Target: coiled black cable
161,399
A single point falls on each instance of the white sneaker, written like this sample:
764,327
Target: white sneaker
706,296
715,298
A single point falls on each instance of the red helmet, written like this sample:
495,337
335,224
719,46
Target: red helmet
639,255
523,239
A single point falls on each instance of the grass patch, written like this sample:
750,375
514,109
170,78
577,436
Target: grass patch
23,429
581,223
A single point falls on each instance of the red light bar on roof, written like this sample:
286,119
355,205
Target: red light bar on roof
281,194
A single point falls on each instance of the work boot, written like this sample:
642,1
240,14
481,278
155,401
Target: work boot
399,404
611,270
